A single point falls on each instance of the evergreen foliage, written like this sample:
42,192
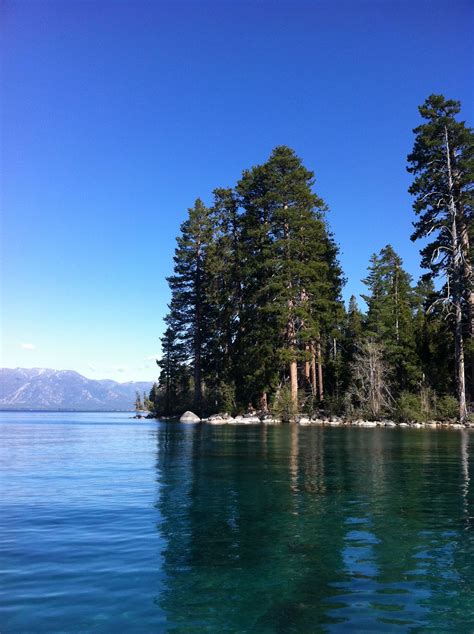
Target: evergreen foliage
390,318
442,162
256,319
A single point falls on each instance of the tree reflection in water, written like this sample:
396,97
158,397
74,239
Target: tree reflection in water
291,529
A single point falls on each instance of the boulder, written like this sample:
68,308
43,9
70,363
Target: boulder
269,420
189,417
304,421
220,419
249,419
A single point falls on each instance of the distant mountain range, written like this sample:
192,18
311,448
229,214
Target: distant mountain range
43,389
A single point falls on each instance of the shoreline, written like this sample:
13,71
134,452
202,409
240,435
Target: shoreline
304,421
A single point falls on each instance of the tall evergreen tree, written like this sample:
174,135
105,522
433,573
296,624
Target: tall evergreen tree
188,304
223,284
352,336
288,255
443,166
434,339
354,323
390,315
173,383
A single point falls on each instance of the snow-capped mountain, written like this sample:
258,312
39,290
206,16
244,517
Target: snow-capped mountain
44,389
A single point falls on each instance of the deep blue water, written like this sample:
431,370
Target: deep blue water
109,524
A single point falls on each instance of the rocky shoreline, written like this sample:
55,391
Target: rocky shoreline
330,421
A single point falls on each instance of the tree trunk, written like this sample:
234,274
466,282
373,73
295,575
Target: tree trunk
168,385
458,274
314,383
294,382
197,346
291,328
320,372
197,375
263,402
468,278
307,369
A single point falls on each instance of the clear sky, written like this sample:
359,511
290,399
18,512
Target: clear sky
117,115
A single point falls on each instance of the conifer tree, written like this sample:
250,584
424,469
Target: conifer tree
288,254
443,166
257,373
390,315
222,281
354,323
434,339
173,383
188,304
353,333
138,402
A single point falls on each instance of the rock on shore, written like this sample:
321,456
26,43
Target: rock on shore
189,417
253,419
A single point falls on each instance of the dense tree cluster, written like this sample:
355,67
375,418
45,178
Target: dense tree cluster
256,318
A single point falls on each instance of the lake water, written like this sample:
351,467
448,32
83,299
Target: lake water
109,524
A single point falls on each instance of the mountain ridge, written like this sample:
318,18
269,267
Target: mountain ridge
45,389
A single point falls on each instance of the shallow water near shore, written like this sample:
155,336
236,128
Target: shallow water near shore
110,524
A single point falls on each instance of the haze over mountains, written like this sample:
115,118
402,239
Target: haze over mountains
45,389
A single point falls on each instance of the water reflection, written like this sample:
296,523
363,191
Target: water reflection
290,529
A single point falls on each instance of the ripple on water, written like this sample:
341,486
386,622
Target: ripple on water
109,524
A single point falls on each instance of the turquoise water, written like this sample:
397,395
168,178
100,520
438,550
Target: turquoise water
109,524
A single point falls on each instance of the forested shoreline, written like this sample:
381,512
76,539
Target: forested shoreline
257,321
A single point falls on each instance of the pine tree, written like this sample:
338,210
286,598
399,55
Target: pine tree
222,282
188,304
442,162
138,402
390,315
173,382
354,323
353,333
257,372
434,339
292,281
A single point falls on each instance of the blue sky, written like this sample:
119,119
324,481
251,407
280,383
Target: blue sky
117,115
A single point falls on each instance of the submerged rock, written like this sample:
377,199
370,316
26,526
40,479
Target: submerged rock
189,417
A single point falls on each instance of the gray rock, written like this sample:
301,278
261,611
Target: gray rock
220,419
269,420
304,421
248,419
189,417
